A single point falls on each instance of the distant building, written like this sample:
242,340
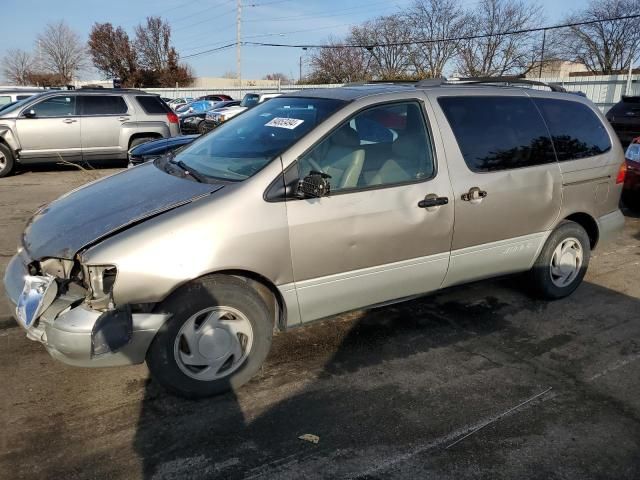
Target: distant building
556,69
203,83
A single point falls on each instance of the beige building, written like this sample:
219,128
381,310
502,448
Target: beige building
556,68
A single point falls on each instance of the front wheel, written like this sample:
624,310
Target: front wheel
562,263
7,160
217,338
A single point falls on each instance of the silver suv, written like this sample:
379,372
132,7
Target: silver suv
78,125
312,204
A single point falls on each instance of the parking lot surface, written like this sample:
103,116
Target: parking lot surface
479,381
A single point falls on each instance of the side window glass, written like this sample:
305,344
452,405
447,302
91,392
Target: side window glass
576,130
55,107
498,133
383,145
103,105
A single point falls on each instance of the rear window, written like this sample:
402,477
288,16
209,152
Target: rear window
102,105
576,130
152,105
498,133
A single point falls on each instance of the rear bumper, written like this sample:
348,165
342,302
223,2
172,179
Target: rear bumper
67,329
610,226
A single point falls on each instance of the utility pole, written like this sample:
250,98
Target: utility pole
300,73
238,45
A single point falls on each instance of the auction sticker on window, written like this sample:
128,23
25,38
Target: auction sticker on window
279,122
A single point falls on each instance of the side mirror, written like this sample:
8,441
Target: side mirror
30,113
314,185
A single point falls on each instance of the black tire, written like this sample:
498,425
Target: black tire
540,275
6,166
202,129
140,140
214,290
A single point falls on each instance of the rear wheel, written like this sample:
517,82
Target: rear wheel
562,263
139,140
216,340
7,161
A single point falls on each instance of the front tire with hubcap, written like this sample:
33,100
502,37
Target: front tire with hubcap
562,263
7,161
216,340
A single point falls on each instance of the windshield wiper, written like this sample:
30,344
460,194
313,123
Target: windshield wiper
188,170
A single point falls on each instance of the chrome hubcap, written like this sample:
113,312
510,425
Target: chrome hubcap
566,262
213,343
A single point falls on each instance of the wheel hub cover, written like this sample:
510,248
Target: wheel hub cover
215,343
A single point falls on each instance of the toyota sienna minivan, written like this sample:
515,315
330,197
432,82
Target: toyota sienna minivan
315,203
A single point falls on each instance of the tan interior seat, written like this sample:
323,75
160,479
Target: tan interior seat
343,159
405,164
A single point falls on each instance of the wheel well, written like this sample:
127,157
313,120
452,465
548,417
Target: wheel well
266,289
142,135
590,225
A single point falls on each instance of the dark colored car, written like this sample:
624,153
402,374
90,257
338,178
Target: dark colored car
218,97
156,148
193,122
208,123
631,189
624,117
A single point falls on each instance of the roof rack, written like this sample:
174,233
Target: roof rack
508,81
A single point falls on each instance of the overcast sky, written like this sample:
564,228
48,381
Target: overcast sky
205,24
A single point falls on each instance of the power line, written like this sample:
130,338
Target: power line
449,39
224,47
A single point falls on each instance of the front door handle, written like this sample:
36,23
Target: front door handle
70,120
432,200
474,195
123,119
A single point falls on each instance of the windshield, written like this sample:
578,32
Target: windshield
240,148
17,105
250,100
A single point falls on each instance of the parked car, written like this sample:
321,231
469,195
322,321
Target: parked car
218,97
14,95
154,149
199,106
193,122
624,116
178,102
219,116
286,215
78,125
631,189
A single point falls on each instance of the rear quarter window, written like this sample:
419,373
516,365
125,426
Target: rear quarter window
576,130
152,105
498,133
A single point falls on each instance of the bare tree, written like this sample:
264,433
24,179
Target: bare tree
435,19
337,64
496,53
112,53
277,76
63,54
384,36
604,47
17,65
153,41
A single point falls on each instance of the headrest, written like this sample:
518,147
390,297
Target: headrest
407,146
346,137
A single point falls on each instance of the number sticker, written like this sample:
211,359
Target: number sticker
288,123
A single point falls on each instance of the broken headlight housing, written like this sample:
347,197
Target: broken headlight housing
100,280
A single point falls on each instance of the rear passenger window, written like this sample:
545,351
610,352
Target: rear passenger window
153,105
383,145
576,130
498,133
103,105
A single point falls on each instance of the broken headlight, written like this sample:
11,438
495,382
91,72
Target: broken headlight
100,280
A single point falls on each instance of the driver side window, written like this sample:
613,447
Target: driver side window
62,106
384,145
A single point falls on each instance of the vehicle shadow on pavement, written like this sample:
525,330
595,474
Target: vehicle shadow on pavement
394,376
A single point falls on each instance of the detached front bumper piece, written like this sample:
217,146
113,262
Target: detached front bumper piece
77,335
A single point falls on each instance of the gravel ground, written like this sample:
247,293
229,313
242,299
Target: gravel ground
479,381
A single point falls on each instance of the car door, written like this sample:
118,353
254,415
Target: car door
506,182
103,117
50,128
373,239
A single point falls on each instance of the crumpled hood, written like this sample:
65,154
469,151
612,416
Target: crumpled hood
101,208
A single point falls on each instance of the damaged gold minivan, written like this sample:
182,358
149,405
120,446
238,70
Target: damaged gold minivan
312,204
